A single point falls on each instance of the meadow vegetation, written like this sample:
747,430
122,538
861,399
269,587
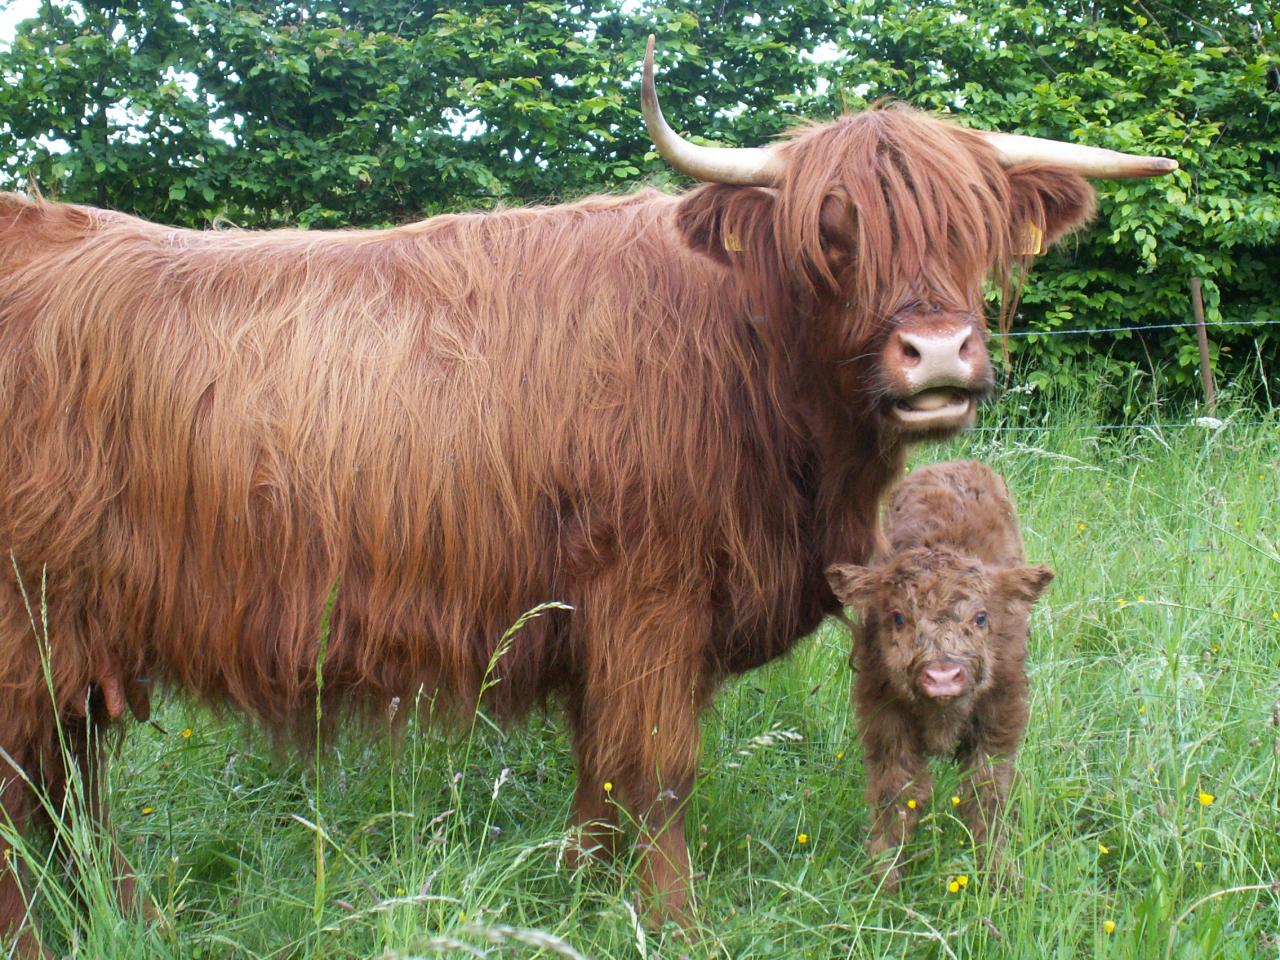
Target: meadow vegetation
1146,813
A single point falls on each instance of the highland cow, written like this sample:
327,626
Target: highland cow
671,412
940,652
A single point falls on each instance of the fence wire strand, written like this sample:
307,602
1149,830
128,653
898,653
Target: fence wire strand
1147,326
1215,425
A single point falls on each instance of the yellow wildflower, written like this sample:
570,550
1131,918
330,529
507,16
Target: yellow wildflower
1080,527
955,801
911,804
608,786
1103,849
802,838
963,880
148,811
953,887
1206,799
1109,926
1142,708
186,733
839,754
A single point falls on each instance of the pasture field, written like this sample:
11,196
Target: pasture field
1146,816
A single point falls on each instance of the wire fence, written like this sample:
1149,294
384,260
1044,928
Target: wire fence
1139,328
1204,423
1201,326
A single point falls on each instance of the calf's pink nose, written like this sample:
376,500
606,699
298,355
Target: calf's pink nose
943,680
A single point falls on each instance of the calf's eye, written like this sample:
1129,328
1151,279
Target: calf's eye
898,619
981,618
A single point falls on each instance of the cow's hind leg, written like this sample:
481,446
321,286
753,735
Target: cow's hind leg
60,785
16,922
88,755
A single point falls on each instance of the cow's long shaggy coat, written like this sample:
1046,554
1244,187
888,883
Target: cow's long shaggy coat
665,411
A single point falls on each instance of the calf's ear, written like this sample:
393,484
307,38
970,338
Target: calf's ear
854,585
1023,584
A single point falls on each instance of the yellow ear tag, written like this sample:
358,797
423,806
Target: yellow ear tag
732,243
1030,241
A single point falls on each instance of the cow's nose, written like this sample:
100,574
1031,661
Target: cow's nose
943,359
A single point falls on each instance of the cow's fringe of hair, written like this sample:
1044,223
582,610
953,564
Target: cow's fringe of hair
918,239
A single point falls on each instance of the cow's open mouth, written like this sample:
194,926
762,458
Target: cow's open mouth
935,407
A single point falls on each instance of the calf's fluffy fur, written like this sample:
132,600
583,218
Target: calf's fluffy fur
941,649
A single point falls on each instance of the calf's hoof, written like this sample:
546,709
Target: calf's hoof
1003,873
886,872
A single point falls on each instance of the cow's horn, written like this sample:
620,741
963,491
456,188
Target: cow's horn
1093,162
744,166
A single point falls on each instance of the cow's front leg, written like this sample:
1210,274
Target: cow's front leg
637,734
595,811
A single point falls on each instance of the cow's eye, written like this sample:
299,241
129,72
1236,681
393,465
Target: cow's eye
981,618
899,620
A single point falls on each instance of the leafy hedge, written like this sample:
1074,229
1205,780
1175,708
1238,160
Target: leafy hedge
325,113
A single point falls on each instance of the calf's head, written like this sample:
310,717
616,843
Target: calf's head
935,620
867,245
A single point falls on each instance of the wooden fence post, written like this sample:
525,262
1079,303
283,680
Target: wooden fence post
1202,336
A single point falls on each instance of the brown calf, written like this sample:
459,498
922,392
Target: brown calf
941,650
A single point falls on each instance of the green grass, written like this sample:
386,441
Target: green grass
1156,677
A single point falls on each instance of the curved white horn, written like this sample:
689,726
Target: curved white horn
743,166
1093,162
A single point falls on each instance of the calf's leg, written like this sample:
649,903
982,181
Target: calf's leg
898,785
990,764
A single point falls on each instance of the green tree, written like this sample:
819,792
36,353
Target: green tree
323,113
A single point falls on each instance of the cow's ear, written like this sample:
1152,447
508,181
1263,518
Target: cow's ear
853,585
726,222
1047,202
1023,584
